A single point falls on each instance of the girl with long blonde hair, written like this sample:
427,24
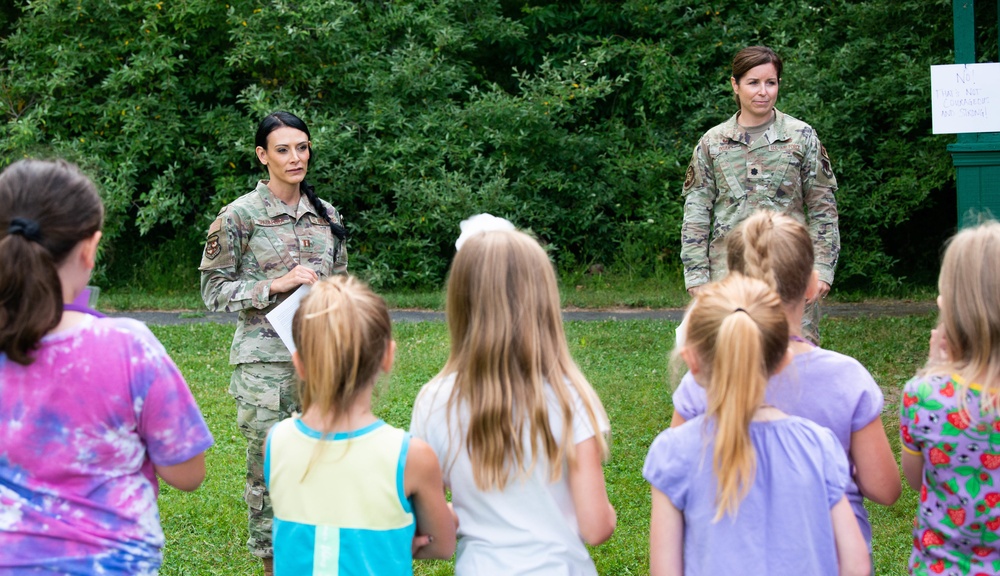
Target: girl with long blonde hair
950,420
349,492
744,487
518,429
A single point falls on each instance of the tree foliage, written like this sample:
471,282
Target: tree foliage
573,118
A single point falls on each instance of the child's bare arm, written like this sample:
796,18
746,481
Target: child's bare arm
913,468
877,475
666,537
852,551
676,420
423,483
594,513
186,476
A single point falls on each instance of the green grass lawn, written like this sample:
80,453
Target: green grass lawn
627,362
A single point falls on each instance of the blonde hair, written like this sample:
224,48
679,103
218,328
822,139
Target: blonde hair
507,343
775,248
738,332
342,332
969,285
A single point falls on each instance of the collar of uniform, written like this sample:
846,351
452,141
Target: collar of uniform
274,207
776,133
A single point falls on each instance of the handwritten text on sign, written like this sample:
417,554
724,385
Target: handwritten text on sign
965,98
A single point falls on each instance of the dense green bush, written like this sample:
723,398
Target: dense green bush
573,118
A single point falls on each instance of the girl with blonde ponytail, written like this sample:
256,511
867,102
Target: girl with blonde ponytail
351,494
744,487
829,388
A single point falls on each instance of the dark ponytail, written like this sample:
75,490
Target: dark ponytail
276,120
46,209
339,231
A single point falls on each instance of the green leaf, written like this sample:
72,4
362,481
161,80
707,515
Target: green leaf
972,485
947,429
932,405
923,391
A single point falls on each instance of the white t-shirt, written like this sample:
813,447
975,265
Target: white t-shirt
528,528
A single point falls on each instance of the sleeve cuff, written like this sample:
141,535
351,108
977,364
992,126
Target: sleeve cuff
262,294
909,450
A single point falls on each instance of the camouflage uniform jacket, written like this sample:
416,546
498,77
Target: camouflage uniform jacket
252,241
786,170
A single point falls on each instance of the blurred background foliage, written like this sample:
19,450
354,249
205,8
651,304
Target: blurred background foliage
575,119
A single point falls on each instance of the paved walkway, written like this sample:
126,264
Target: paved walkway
840,310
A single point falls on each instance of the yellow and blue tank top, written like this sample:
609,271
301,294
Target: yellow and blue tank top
349,514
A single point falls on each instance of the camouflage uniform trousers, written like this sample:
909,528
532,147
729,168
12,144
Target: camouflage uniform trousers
810,322
259,388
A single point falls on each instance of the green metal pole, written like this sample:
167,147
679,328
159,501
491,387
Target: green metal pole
964,16
965,31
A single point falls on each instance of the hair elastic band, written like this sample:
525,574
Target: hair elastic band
25,227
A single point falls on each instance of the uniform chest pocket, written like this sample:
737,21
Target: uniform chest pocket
785,161
730,162
314,237
274,245
316,244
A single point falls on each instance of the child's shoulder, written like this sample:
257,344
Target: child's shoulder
831,362
837,373
674,453
436,392
678,439
111,334
925,384
809,431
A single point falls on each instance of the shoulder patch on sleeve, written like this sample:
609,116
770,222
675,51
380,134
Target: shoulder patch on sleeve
216,254
689,176
824,162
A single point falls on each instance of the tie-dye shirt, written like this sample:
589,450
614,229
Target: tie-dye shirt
80,429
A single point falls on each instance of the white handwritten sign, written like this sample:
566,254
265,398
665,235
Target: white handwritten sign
965,98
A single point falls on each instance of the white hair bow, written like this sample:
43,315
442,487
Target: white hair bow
480,223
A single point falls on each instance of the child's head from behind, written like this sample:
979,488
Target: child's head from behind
969,301
775,248
737,337
507,342
502,297
47,208
343,336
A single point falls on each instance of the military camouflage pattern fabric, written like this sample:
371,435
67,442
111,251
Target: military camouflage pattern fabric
786,170
250,383
254,240
810,322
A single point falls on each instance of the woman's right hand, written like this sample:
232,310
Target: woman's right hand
293,279
693,291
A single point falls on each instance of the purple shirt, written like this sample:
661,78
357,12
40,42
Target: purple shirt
783,526
828,388
80,429
957,528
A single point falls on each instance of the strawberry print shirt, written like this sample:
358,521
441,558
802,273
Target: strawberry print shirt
957,527
80,429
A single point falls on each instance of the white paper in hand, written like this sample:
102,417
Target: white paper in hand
281,316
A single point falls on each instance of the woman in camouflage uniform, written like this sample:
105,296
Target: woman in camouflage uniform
260,249
758,159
